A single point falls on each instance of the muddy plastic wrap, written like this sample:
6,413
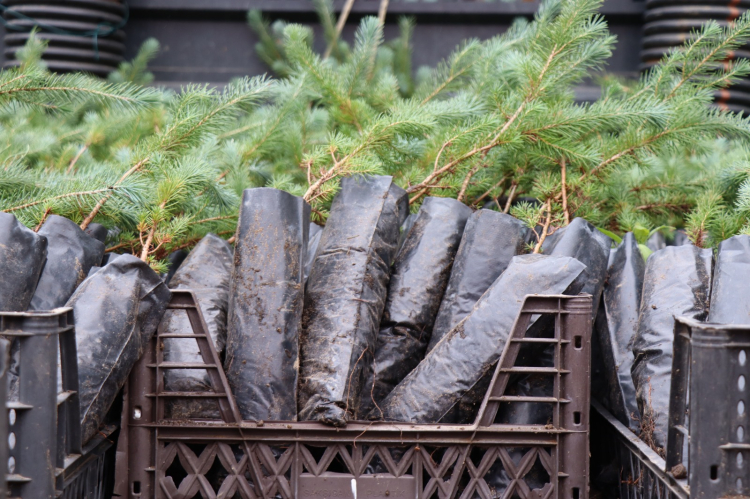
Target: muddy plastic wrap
70,255
116,311
22,256
471,349
174,260
97,231
405,228
616,328
676,283
312,247
489,242
265,304
206,271
420,274
582,241
730,302
346,295
656,241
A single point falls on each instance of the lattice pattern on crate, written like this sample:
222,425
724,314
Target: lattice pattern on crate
256,470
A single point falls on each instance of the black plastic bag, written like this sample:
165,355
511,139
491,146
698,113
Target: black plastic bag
174,260
676,283
207,271
616,327
22,256
265,304
97,231
582,241
473,347
418,280
116,313
312,247
656,241
70,255
405,228
345,296
490,240
730,301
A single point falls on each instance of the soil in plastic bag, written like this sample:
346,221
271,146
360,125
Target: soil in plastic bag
345,297
206,271
676,283
22,256
418,280
473,347
616,326
582,241
312,247
730,301
265,304
405,228
489,242
70,255
116,311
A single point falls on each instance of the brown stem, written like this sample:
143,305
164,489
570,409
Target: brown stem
566,214
147,244
465,184
382,11
95,211
489,191
44,217
513,187
545,229
76,158
61,196
339,26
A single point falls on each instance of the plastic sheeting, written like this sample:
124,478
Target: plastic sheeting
473,347
616,328
312,247
730,301
206,271
418,280
22,256
676,283
116,311
489,242
70,255
345,296
265,304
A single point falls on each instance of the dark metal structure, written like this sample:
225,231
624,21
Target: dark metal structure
44,455
209,40
235,458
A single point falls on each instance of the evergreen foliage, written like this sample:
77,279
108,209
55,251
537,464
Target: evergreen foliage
496,121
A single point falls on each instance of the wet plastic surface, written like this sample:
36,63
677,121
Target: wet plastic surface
730,301
265,304
206,271
468,352
676,283
117,311
345,296
97,231
418,280
489,242
582,241
174,260
617,326
312,246
22,256
70,255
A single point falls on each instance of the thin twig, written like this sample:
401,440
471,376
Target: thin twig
566,214
465,184
339,27
489,191
76,158
61,196
382,11
545,229
44,217
513,187
349,387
